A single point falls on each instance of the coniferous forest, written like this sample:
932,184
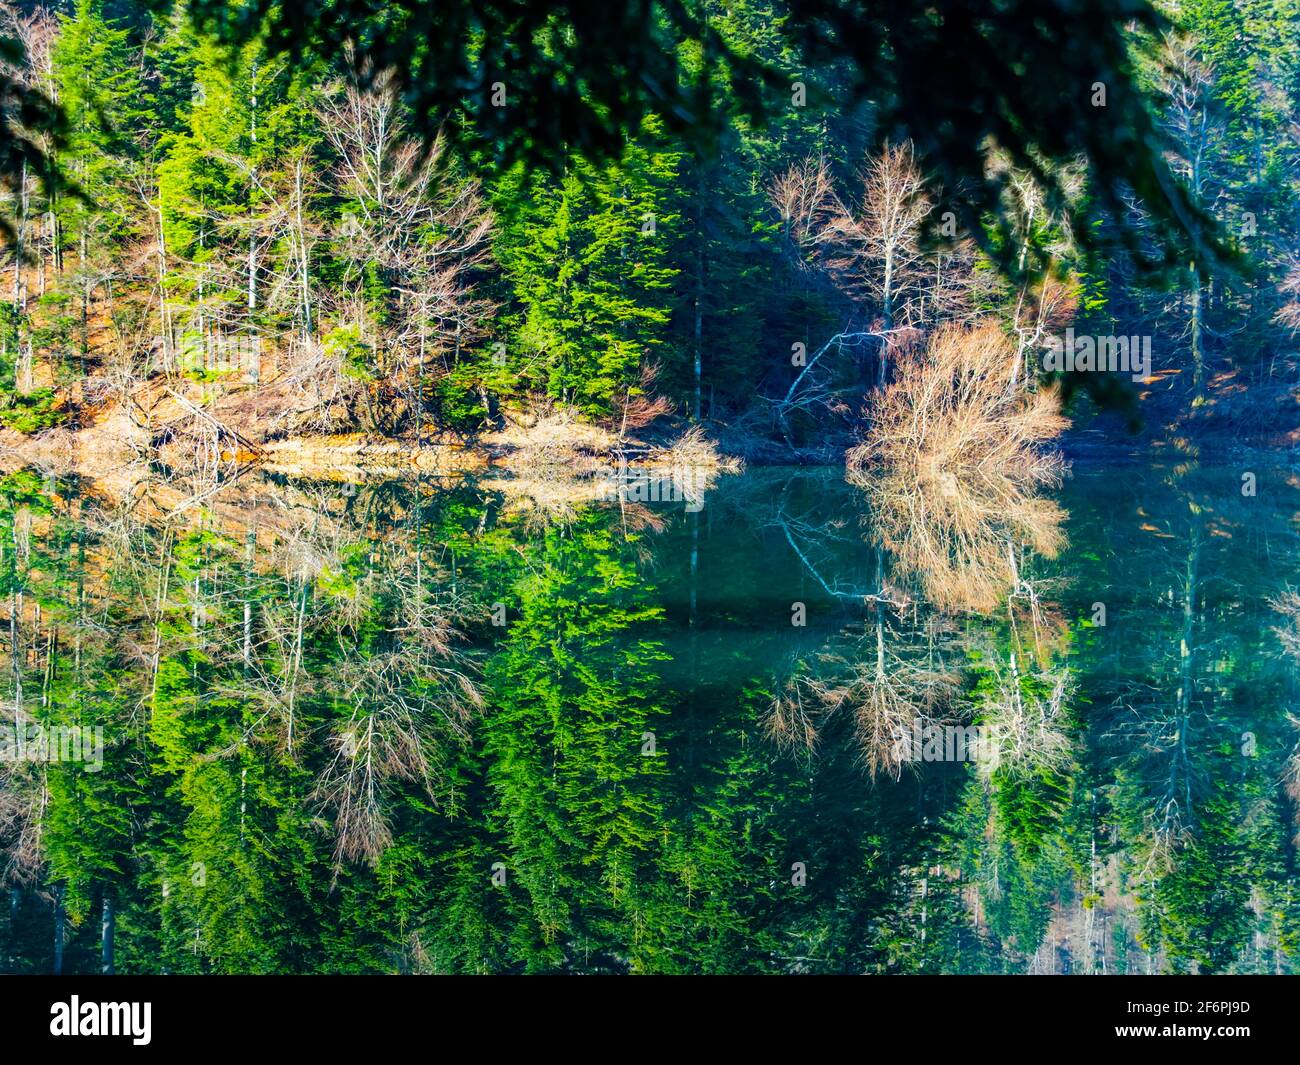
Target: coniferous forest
729,486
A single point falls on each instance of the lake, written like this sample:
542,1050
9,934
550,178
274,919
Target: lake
782,723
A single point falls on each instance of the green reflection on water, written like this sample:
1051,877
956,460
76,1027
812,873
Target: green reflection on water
322,754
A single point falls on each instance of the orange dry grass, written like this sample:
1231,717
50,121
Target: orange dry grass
958,535
952,463
956,407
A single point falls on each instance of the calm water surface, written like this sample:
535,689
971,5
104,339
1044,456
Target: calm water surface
797,725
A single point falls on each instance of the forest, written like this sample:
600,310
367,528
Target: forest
284,241
512,485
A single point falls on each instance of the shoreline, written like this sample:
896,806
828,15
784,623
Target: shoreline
358,456
172,433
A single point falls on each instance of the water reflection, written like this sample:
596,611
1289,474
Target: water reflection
977,724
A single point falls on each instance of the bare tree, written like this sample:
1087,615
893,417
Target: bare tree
871,252
954,463
878,244
894,682
425,229
1196,132
1026,727
952,407
405,705
804,198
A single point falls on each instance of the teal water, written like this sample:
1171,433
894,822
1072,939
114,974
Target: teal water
454,727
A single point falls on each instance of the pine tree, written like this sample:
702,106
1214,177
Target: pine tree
100,89
591,259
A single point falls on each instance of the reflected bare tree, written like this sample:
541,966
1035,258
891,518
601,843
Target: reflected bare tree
403,706
954,467
894,682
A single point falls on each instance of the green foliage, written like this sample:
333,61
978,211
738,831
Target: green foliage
356,356
603,69
39,409
98,86
233,674
590,257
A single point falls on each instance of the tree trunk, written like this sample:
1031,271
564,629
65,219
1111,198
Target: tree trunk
250,544
888,310
1198,355
164,319
699,319
11,963
304,261
252,247
59,917
85,300
108,924
20,236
